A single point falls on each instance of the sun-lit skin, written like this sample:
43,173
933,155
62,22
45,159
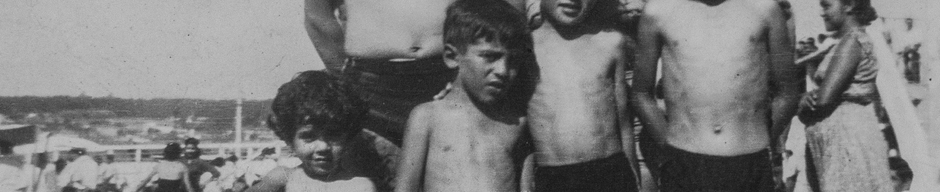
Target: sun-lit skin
484,70
567,12
470,140
319,151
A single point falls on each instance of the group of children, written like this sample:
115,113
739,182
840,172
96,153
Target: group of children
542,102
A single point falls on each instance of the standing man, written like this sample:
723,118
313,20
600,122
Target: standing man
81,174
730,88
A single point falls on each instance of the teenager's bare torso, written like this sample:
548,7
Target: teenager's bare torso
715,75
573,110
468,151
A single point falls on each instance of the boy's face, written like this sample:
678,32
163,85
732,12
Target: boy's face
567,12
318,149
486,70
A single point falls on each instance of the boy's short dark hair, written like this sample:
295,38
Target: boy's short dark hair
315,98
493,20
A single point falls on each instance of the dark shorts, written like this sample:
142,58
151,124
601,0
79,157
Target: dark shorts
392,89
685,171
607,174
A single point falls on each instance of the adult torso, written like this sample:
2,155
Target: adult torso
715,75
387,29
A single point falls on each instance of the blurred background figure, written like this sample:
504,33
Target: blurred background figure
260,166
172,173
80,174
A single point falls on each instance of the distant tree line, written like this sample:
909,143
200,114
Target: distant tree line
253,111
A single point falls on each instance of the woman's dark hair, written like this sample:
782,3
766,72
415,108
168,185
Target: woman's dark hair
172,151
862,10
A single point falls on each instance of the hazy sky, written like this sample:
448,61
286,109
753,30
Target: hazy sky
191,48
148,49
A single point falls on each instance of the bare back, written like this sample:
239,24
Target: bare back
467,150
716,68
573,112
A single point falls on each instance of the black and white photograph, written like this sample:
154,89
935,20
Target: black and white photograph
470,95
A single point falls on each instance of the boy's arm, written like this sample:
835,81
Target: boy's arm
325,31
644,74
527,176
410,174
275,180
787,78
624,115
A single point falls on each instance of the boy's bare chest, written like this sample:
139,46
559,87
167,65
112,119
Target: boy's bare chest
710,28
459,134
588,54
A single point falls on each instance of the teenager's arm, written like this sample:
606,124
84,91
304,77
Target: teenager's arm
410,174
325,31
527,175
275,180
787,79
624,115
644,75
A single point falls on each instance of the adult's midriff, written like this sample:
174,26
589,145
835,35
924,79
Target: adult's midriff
392,29
717,104
573,122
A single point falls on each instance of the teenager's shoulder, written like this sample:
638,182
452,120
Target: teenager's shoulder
659,8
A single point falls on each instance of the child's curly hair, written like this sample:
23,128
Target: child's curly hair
315,98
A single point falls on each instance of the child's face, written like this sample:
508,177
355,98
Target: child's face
318,149
486,70
567,12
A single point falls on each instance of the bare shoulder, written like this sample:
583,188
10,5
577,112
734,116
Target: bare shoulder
765,8
659,8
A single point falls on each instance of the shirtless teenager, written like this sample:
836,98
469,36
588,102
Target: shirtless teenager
730,86
388,50
474,138
578,111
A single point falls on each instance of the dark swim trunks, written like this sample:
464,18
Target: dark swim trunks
393,88
685,171
607,174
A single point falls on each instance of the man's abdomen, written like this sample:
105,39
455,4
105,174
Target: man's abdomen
389,29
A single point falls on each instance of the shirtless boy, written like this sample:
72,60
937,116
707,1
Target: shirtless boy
578,111
730,86
388,51
319,118
474,138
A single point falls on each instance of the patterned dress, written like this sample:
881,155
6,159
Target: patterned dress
847,149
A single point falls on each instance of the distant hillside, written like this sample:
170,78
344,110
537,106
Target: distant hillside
254,111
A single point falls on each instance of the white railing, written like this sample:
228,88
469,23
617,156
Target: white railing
147,153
